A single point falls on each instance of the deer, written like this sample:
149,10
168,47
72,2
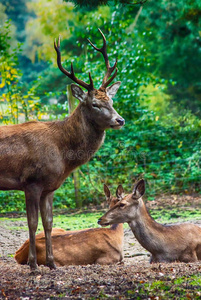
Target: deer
36,157
81,247
166,243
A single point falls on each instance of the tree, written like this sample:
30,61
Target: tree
15,103
173,42
95,3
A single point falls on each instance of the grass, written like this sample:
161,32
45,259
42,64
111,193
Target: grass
174,215
76,221
67,222
181,288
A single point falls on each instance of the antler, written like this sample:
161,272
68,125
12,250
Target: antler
103,50
71,74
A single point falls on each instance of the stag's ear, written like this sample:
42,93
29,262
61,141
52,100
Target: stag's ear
112,90
107,192
120,192
139,189
78,92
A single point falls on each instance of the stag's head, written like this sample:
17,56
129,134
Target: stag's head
97,103
127,208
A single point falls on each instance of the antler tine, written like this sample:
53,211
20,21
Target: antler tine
71,74
110,69
110,80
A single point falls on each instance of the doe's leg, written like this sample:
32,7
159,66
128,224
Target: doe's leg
47,219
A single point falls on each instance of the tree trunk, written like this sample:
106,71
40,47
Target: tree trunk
76,180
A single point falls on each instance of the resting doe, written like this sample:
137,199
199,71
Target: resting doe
167,243
81,247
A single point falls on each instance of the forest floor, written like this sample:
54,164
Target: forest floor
135,278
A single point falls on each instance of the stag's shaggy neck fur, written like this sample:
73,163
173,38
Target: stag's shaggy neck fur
80,138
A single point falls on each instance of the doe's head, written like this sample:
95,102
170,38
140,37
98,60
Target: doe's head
112,200
126,209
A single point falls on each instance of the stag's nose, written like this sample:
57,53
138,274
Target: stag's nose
99,221
121,121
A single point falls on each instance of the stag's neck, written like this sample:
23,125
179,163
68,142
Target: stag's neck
81,123
81,137
148,232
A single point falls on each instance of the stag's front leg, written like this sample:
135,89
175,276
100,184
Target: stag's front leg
32,195
47,219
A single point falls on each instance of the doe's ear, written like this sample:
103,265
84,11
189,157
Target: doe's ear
78,92
112,90
139,189
120,192
107,192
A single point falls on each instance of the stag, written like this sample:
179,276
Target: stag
36,157
166,243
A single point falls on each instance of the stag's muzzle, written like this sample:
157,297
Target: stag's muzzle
120,121
117,122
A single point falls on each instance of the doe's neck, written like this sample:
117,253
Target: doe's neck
146,230
117,227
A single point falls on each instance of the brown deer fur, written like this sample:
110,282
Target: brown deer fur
81,247
167,243
36,157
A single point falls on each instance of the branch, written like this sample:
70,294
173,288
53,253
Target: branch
136,254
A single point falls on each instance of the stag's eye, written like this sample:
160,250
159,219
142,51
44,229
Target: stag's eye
122,204
94,104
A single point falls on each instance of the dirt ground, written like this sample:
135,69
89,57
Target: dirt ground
120,281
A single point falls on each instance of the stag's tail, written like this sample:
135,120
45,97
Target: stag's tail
22,253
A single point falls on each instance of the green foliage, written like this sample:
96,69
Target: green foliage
92,4
174,45
161,146
166,155
16,104
12,201
17,12
158,50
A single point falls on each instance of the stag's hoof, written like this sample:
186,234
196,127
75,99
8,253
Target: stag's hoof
35,272
34,269
33,266
51,265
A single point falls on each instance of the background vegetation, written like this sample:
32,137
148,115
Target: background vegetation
158,45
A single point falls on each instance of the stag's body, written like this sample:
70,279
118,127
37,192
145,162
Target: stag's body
166,243
36,157
47,152
81,247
